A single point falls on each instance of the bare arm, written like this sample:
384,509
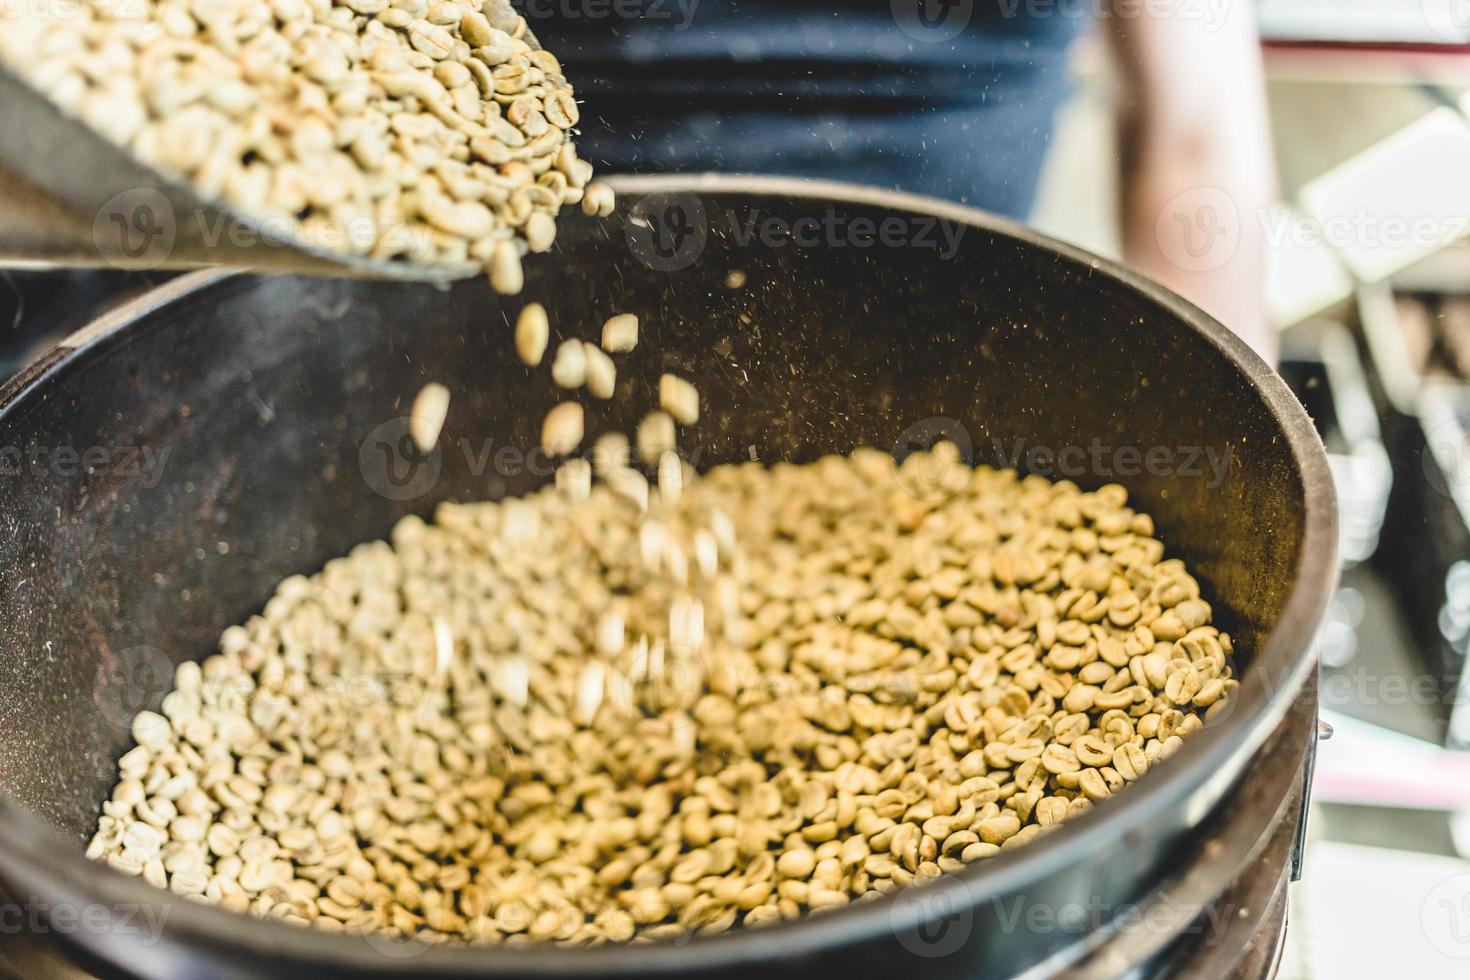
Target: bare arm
1196,153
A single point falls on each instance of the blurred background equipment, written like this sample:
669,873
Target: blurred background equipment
1420,22
1370,281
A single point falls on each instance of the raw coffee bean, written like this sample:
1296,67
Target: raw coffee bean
655,436
574,478
569,368
533,331
375,129
620,333
598,200
997,830
506,274
540,231
679,398
1059,759
691,713
562,431
430,409
1130,761
602,375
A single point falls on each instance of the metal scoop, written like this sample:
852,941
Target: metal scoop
70,197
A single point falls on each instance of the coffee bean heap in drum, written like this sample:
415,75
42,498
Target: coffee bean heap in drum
606,716
421,131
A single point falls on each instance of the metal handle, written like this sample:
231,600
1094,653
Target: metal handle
69,197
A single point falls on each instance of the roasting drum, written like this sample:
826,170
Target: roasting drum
268,405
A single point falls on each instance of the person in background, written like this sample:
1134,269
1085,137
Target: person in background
950,98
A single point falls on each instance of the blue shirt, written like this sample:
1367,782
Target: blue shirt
953,98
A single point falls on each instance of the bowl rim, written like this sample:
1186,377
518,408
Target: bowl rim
43,859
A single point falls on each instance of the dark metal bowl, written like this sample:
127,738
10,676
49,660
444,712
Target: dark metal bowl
278,404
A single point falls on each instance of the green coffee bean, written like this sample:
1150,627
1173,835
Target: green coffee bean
785,723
